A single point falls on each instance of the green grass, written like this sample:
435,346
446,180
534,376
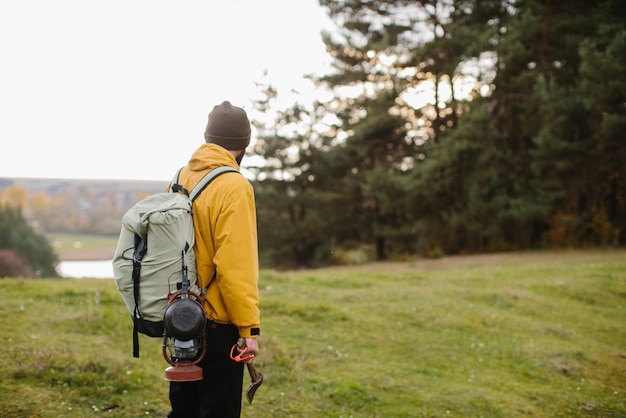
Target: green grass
525,334
82,246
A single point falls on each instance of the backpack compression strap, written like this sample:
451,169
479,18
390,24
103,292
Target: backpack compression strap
140,250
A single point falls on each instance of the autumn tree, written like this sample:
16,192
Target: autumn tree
15,197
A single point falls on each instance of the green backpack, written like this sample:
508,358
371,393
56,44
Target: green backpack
155,253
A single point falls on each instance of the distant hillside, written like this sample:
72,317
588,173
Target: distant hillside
53,186
75,205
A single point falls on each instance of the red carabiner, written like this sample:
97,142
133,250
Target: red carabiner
241,356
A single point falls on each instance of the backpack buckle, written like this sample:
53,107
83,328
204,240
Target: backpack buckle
177,188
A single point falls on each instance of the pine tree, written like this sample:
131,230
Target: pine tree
17,236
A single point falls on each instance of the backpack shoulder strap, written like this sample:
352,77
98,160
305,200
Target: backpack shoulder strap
175,187
208,178
198,188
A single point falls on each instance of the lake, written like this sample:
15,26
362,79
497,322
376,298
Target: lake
97,269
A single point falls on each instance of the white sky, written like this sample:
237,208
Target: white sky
121,89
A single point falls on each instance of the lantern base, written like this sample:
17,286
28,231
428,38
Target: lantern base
185,372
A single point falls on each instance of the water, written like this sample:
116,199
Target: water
97,269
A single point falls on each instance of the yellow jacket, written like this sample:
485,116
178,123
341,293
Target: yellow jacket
226,239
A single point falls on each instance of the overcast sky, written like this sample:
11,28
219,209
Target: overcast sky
121,89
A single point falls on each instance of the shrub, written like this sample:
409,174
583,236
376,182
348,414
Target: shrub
33,249
13,265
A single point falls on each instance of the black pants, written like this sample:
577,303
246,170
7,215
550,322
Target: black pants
218,394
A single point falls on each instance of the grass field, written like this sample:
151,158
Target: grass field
508,335
83,246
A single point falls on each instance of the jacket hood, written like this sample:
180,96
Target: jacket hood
210,156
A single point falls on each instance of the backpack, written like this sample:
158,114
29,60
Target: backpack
155,254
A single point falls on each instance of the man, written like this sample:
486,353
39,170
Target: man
226,242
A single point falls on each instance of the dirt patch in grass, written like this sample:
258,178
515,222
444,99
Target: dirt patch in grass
453,262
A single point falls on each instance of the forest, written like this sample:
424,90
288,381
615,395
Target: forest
447,127
453,126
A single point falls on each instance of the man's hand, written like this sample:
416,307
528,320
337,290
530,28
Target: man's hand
253,348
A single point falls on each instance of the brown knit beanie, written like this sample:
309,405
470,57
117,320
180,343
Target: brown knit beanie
228,127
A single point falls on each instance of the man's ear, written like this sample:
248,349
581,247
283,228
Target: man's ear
240,156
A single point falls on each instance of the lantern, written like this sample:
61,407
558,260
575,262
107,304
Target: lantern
184,339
